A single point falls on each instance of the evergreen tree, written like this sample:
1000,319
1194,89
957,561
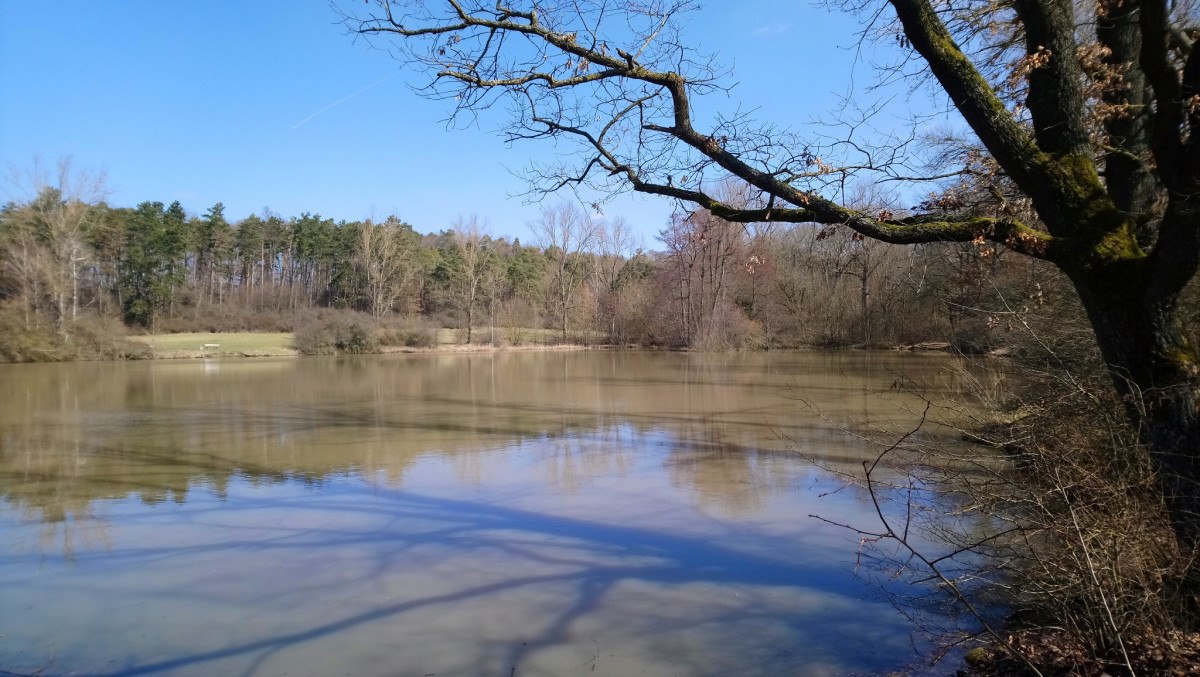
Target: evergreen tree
149,266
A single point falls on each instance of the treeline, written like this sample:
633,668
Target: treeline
68,265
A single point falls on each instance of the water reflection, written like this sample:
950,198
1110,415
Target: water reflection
451,514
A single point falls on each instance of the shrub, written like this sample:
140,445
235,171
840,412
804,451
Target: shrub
22,343
90,338
407,332
729,329
1063,529
227,318
1075,542
103,338
336,333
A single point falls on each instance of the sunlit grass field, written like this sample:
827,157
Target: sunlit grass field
266,344
245,343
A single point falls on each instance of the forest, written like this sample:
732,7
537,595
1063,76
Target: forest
77,273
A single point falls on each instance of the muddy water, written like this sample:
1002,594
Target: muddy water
494,514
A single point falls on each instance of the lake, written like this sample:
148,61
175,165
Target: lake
555,513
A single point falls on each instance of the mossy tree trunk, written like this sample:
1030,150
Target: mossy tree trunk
1154,370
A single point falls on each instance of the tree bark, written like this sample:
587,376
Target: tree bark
1154,370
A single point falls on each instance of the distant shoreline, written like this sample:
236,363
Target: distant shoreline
241,345
460,348
389,350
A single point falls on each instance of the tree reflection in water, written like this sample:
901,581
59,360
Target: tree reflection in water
437,514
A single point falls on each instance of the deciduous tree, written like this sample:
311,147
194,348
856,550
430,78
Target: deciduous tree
470,244
51,232
387,263
565,232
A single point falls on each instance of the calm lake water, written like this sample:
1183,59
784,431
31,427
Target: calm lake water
586,513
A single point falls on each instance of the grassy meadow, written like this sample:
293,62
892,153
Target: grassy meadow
246,343
273,344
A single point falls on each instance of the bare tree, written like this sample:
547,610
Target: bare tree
565,232
386,261
51,237
863,259
614,244
703,255
21,259
1092,113
470,241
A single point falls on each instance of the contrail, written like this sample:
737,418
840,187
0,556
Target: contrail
342,100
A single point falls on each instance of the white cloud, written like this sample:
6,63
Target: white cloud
772,30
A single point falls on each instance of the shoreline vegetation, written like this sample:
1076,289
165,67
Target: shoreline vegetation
77,276
233,345
251,344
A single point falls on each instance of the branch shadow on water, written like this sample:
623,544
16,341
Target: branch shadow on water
589,558
165,450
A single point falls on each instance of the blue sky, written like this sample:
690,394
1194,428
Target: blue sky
270,104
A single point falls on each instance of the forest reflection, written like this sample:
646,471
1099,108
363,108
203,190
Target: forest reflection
727,424
451,514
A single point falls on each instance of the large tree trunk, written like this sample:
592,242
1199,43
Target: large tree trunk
1154,369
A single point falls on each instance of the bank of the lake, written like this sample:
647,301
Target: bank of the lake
193,345
281,344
